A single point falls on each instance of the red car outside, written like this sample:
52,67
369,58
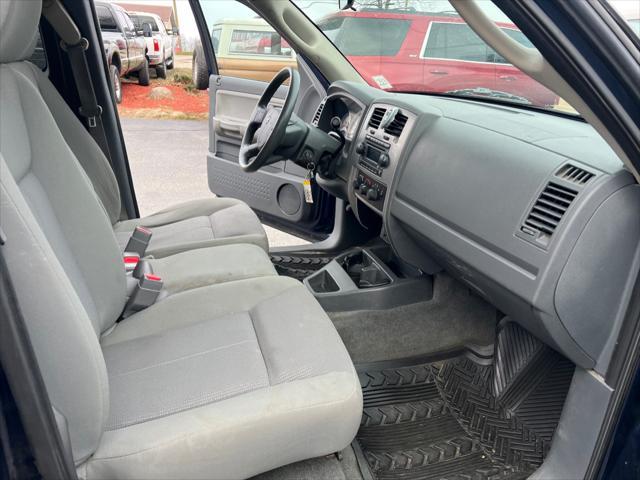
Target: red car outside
440,53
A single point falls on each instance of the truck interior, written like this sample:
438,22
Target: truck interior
467,307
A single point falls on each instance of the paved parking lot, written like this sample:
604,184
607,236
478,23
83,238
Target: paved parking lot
168,165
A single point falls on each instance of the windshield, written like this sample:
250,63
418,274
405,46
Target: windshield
424,46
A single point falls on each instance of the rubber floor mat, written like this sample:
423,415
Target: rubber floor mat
451,421
300,266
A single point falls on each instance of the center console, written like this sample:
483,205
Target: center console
370,278
379,145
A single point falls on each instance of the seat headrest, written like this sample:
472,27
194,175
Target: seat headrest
18,27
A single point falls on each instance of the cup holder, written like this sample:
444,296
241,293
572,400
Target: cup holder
363,270
323,282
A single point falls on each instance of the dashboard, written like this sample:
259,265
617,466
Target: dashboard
532,211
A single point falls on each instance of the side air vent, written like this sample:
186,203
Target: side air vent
376,117
548,210
318,114
397,125
574,174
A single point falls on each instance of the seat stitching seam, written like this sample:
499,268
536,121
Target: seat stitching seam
264,359
213,231
207,399
184,357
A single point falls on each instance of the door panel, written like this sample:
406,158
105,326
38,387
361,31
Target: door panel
276,189
233,109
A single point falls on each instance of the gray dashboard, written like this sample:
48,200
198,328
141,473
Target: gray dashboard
532,211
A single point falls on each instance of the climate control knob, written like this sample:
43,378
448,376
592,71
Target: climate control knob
372,194
363,189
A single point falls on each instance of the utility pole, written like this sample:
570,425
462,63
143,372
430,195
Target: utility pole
175,13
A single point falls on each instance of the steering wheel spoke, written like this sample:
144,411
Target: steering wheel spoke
250,151
267,127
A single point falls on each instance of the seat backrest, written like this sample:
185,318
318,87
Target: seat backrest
83,146
60,195
61,250
63,338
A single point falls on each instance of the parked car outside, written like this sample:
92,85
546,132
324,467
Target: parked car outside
159,44
124,45
399,50
246,48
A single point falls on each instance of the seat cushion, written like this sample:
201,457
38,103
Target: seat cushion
232,380
209,266
197,224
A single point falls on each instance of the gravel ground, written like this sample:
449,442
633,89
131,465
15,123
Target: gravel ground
168,165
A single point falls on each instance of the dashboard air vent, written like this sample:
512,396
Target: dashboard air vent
318,114
396,125
376,117
574,174
549,208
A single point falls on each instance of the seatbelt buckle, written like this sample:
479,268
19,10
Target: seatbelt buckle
91,115
144,295
143,268
131,260
139,241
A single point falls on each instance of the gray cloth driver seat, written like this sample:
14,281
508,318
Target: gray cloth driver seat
191,225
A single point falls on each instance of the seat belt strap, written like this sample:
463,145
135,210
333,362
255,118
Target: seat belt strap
75,46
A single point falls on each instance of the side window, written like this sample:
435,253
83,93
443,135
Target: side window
215,39
128,23
252,42
455,41
331,28
38,57
367,36
123,21
245,45
151,21
106,20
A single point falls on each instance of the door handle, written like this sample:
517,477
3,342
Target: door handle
230,128
507,78
439,72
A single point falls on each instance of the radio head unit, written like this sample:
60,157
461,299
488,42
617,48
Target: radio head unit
374,154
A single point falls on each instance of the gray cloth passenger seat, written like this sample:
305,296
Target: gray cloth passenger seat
221,381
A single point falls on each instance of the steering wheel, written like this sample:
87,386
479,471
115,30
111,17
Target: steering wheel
268,124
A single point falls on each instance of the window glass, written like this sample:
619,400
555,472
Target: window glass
455,41
215,39
245,45
258,43
106,20
138,20
367,36
128,22
122,19
628,10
